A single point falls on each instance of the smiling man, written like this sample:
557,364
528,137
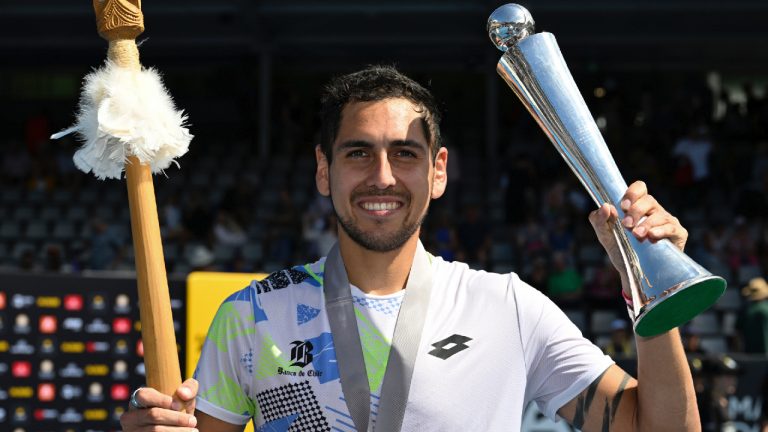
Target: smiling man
381,335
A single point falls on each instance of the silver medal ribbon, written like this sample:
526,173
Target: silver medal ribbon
402,354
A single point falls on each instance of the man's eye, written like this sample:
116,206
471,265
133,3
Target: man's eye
356,154
406,153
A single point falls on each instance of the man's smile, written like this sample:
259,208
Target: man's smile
380,206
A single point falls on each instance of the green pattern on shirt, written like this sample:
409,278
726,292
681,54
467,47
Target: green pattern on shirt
227,394
319,279
228,325
375,351
270,359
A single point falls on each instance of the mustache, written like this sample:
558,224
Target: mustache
376,192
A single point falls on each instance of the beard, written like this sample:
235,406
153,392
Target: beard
376,241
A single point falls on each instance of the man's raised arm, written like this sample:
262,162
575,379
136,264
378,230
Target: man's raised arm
662,398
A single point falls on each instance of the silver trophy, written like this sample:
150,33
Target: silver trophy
668,287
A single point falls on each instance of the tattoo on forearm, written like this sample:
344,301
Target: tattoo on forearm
585,399
584,402
619,394
609,412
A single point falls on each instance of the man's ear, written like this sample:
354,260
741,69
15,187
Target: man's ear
440,179
321,176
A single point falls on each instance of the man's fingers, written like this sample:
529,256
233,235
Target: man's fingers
644,206
149,397
634,192
188,390
184,398
661,226
155,418
600,217
672,231
165,417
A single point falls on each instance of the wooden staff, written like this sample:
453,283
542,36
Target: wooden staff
120,22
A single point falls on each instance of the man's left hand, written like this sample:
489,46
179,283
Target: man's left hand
644,216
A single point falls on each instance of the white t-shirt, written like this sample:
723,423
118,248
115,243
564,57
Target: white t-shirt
490,344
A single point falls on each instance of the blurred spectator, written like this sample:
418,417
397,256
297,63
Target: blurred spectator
742,246
564,283
238,201
692,341
200,258
538,273
41,179
54,259
27,261
227,231
603,287
561,236
68,174
105,246
532,240
171,217
693,152
621,343
319,233
286,215
556,205
753,320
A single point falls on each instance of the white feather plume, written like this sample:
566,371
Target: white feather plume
125,113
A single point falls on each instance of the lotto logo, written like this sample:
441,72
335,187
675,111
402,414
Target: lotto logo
73,302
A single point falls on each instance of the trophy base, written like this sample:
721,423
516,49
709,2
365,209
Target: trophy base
685,302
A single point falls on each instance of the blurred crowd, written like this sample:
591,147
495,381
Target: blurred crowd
702,151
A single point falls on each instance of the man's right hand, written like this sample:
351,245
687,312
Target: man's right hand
163,412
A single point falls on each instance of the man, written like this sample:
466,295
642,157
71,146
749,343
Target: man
753,319
489,344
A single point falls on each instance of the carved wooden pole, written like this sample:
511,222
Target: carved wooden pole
120,22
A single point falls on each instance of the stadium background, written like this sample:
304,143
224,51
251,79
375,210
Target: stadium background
678,88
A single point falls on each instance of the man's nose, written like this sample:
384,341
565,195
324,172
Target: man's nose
381,175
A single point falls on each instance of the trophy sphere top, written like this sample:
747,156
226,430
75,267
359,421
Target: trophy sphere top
508,24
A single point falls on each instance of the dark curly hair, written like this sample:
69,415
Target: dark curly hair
375,83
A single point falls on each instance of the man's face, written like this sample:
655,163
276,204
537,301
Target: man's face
382,176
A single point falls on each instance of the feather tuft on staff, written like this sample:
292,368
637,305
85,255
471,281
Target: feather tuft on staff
126,113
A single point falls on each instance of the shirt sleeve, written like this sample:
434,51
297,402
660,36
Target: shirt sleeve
560,362
225,368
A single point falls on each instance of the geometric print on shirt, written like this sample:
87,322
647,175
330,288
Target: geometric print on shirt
294,405
387,306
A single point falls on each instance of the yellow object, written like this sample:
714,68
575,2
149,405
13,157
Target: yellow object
96,370
48,302
205,293
95,414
